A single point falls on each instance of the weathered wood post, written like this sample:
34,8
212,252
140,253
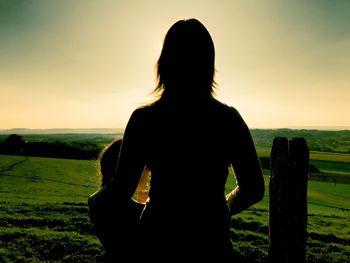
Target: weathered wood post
288,200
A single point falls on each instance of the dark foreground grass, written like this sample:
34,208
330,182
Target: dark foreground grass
61,232
47,233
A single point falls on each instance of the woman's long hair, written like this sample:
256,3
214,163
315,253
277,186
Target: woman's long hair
186,63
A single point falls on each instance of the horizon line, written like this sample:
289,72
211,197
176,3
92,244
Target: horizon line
120,130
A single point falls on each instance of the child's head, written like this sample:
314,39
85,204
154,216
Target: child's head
108,160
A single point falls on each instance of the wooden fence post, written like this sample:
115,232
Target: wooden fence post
288,200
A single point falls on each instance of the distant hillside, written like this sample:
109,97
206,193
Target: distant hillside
318,140
121,130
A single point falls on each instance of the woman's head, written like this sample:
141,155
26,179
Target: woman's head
186,63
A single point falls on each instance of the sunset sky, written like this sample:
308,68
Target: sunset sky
88,64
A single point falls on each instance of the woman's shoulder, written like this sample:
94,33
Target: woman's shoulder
144,112
227,109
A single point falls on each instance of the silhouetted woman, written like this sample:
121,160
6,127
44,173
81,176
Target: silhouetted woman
188,140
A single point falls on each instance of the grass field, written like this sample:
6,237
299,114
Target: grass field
334,167
43,214
314,155
47,179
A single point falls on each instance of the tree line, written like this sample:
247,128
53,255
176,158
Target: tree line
15,145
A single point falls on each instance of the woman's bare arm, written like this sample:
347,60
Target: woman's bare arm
131,161
245,162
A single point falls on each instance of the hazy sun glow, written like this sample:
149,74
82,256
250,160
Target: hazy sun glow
88,64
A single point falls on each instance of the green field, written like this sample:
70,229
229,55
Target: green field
47,179
43,211
334,167
43,214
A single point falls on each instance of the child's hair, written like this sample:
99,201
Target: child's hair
108,161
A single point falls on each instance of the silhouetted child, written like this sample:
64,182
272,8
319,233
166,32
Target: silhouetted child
116,230
108,160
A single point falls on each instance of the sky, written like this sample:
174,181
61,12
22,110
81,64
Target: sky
89,64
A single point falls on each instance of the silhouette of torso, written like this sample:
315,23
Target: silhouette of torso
188,147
